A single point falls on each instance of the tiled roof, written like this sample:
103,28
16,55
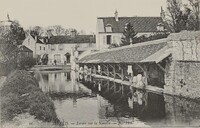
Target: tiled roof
24,49
68,39
140,24
127,54
38,40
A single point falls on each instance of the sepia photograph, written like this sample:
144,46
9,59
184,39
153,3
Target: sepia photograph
99,63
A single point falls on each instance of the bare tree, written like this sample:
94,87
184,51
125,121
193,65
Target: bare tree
57,30
187,19
194,16
36,30
174,15
67,32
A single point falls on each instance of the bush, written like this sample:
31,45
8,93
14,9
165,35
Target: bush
20,94
27,62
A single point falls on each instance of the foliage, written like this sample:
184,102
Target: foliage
186,19
36,30
128,34
194,16
21,94
114,45
26,62
10,37
144,38
56,30
44,59
154,36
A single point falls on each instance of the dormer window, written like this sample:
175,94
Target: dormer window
160,27
108,28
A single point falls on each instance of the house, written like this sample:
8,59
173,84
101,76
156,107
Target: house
24,52
110,29
36,44
60,48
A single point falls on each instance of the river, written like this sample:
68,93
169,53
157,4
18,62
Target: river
95,103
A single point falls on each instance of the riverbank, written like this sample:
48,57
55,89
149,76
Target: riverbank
20,94
50,67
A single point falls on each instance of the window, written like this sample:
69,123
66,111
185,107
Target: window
108,28
40,47
60,47
108,39
160,27
53,47
49,46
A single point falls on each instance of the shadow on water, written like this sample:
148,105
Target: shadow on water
100,99
129,102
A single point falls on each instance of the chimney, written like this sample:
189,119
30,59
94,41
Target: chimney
116,16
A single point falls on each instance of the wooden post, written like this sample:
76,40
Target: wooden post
122,89
114,84
100,69
122,72
145,75
107,69
114,71
94,69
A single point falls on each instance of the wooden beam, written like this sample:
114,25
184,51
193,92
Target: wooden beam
112,66
161,68
140,67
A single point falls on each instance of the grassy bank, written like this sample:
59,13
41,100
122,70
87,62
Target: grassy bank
21,94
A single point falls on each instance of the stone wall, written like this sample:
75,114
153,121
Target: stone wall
181,111
185,46
187,79
183,67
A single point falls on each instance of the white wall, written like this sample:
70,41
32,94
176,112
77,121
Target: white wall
30,43
42,50
101,41
67,48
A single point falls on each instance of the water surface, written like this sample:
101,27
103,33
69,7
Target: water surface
101,101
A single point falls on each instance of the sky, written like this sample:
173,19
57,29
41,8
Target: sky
79,14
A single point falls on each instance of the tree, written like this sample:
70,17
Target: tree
44,59
73,32
10,37
194,15
186,19
128,35
175,15
36,30
57,30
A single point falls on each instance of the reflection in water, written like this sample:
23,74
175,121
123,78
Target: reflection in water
99,100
